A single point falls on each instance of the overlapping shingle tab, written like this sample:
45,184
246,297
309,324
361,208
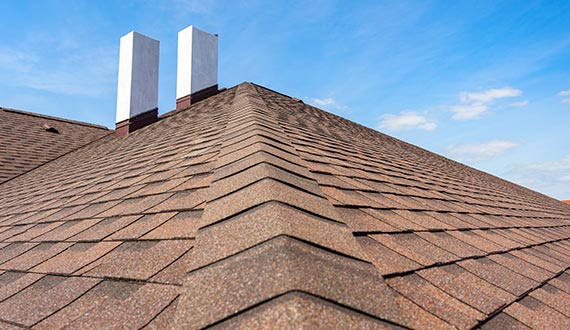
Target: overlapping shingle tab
253,210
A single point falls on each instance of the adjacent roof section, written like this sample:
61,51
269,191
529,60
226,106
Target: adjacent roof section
251,209
28,140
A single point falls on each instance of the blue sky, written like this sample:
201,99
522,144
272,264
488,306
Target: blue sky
483,82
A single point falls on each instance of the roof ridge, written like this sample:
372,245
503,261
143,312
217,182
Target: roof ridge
253,218
175,111
39,115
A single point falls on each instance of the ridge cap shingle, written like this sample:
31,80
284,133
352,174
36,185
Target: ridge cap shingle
277,221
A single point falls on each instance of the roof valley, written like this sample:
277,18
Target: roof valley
269,236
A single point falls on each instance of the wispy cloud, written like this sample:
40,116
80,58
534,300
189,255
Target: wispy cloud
480,151
519,104
475,104
565,96
468,111
489,95
16,60
406,120
327,103
551,166
81,72
565,178
551,177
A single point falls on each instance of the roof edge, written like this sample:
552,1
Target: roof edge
38,115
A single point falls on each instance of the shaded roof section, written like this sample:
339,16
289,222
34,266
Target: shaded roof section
251,209
28,140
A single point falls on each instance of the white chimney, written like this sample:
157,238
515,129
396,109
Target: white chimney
137,92
197,76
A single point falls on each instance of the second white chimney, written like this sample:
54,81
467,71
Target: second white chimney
197,72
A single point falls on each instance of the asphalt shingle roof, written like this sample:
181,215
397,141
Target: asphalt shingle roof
25,143
251,209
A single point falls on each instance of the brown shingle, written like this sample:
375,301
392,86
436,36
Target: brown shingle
302,311
526,255
183,225
499,275
386,260
34,232
562,282
553,297
360,221
176,272
436,301
537,315
451,244
262,192
113,303
104,228
143,226
256,275
130,259
135,205
36,255
13,250
504,321
522,267
477,241
467,287
183,200
75,257
13,282
43,298
415,248
67,229
417,317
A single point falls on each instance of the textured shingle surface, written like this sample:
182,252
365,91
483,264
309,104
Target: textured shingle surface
253,210
25,143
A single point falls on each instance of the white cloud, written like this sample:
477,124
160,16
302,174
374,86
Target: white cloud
564,94
82,72
406,120
16,60
489,95
475,104
551,166
327,103
550,177
468,111
323,102
519,104
480,151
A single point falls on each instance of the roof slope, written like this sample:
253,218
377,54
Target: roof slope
25,144
251,209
